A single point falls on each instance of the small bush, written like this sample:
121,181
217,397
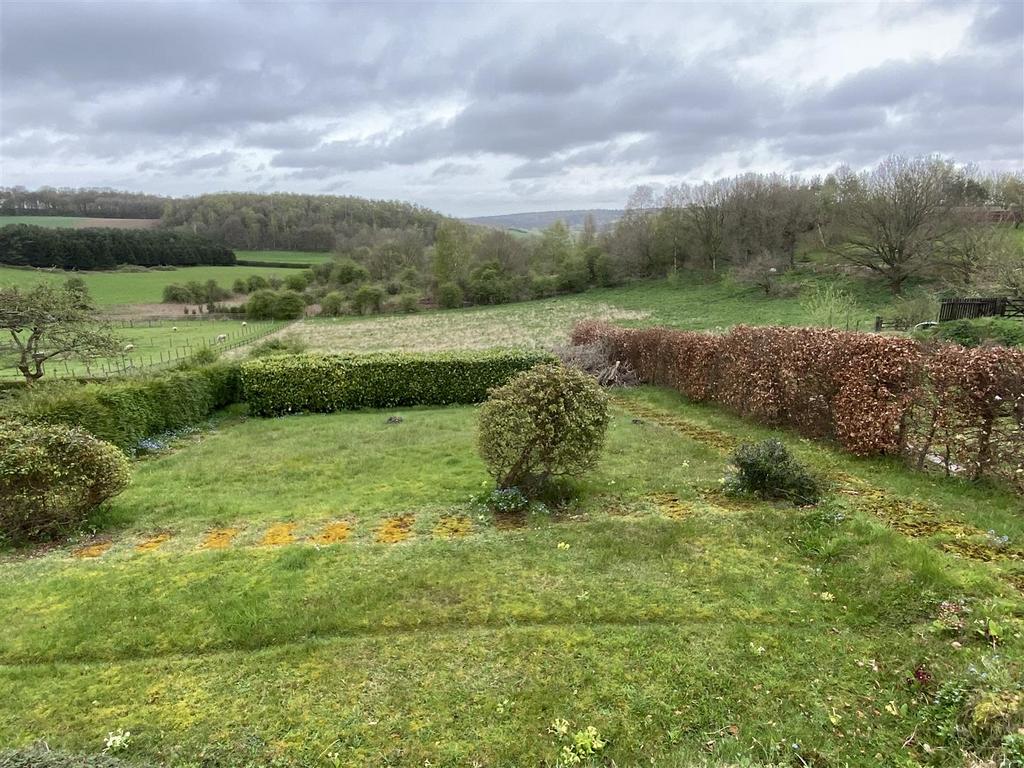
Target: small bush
408,302
275,305
199,358
505,501
990,330
52,477
546,423
768,470
333,304
368,299
449,296
274,386
286,345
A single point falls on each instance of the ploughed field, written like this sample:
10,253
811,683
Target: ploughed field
320,590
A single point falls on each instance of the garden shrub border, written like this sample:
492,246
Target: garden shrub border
945,405
279,385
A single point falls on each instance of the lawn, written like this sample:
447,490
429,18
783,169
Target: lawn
78,222
156,343
294,257
318,591
119,288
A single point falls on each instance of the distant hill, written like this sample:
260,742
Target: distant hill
604,217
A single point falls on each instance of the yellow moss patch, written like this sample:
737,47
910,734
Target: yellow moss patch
453,527
279,534
333,533
701,434
219,538
670,505
395,529
93,550
509,521
152,542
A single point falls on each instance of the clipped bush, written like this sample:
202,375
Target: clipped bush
275,305
545,424
768,470
52,476
123,412
274,386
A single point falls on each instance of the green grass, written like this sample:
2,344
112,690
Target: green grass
298,257
51,222
726,633
156,343
121,288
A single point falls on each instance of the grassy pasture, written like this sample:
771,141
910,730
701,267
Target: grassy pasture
156,343
121,288
688,628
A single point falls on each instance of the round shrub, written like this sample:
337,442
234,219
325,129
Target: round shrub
544,424
52,476
261,305
449,296
332,305
289,305
368,299
768,470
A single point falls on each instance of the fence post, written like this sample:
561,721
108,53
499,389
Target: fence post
878,323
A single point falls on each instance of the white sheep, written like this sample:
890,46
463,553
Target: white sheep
175,329
222,337
244,323
129,347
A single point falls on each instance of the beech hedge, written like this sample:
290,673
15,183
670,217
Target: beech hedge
125,411
275,386
936,404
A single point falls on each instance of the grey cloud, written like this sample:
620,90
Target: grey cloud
448,170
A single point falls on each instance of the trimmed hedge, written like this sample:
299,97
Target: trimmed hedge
947,405
324,383
125,411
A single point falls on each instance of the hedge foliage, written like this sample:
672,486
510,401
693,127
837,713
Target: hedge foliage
52,476
323,383
125,411
30,246
959,408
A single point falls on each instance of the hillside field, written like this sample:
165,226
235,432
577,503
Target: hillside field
79,222
120,288
297,257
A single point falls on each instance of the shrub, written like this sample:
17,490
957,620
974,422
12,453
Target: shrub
287,345
126,411
178,294
449,296
333,304
289,305
368,298
52,476
768,470
989,330
324,383
505,501
546,423
346,271
408,302
275,305
256,283
296,282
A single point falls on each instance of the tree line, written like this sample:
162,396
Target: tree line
66,201
29,246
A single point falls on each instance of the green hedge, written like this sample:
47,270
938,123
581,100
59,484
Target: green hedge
323,383
125,411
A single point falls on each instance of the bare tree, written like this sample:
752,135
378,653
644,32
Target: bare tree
892,219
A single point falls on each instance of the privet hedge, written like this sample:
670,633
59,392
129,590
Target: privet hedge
323,383
945,405
125,411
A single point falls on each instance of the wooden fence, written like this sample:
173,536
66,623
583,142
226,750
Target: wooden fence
966,309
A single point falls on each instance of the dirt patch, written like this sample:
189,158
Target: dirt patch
95,549
509,521
395,529
155,541
333,533
279,534
670,505
453,527
219,538
701,434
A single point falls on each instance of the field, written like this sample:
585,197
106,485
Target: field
122,288
262,598
79,222
297,257
546,323
156,343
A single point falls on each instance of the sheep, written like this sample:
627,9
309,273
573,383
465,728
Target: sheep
244,323
175,329
129,347
222,337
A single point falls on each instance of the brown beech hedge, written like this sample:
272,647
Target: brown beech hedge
949,406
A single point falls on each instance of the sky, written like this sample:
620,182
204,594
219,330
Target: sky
497,108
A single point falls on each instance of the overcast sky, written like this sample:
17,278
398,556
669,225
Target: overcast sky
474,109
